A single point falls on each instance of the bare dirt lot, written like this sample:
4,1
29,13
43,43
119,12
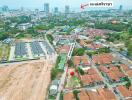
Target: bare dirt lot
26,81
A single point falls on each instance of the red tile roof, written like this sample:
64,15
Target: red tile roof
94,95
83,95
106,94
90,77
112,72
83,60
94,46
124,67
86,79
91,71
102,58
68,96
104,69
96,78
99,94
95,32
124,91
65,48
112,76
129,73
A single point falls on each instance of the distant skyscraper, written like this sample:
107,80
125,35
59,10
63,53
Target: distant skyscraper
67,9
22,8
0,9
46,7
120,8
5,8
56,10
37,11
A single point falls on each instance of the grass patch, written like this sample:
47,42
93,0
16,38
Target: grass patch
73,82
4,52
23,35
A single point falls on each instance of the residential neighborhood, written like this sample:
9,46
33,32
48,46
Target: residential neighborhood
66,54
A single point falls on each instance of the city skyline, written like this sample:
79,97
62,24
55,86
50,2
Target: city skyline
38,4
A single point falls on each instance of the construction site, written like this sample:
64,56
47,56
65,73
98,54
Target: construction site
27,80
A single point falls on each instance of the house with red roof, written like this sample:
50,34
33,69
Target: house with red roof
101,59
112,73
125,93
91,78
97,94
81,61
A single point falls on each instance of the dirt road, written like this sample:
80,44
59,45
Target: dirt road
27,81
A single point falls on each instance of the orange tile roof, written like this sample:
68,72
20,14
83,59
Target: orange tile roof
96,78
90,77
83,95
98,94
102,58
80,59
106,94
129,73
86,79
124,91
91,71
112,72
113,68
130,88
68,96
104,69
112,76
120,74
94,46
65,48
124,67
94,95
82,42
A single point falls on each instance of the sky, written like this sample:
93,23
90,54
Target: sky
74,4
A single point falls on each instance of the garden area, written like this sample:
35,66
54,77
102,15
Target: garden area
62,61
72,80
59,67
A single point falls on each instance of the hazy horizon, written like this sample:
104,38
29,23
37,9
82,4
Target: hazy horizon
74,4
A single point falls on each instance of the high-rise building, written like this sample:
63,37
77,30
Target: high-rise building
5,8
56,10
120,8
22,8
67,9
37,11
46,7
0,9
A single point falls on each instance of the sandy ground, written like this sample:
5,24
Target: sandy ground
27,81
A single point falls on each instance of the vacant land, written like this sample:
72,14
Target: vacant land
27,81
4,51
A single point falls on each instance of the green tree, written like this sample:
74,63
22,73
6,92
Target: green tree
80,71
78,52
70,63
3,35
75,93
50,38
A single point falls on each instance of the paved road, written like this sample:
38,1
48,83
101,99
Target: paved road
71,50
44,49
12,53
62,81
29,51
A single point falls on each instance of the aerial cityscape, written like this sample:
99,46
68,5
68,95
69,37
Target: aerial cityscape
66,50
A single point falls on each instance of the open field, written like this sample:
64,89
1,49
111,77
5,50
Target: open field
4,51
26,81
